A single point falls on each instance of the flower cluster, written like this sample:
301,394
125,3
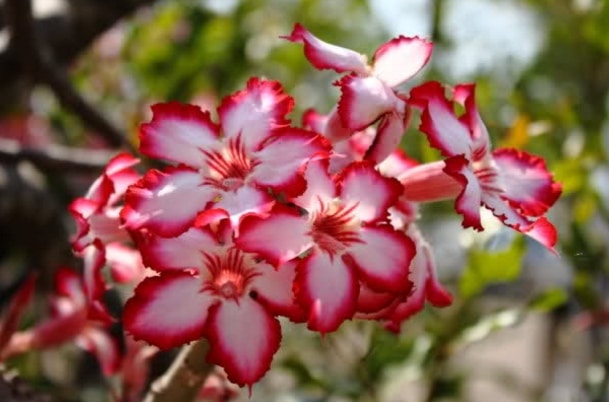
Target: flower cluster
254,218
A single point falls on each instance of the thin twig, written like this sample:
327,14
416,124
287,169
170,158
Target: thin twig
437,36
38,61
55,157
184,378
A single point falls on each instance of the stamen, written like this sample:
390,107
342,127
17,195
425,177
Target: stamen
231,273
335,227
229,168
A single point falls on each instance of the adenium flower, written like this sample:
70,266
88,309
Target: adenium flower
393,309
217,388
425,287
97,213
225,168
69,322
9,321
513,184
345,150
342,240
101,238
369,91
209,288
134,370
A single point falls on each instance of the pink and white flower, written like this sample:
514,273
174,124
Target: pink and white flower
69,322
369,91
393,309
101,237
227,168
514,185
425,287
9,321
209,288
342,240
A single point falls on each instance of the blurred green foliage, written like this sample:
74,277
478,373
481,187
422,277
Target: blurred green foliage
488,267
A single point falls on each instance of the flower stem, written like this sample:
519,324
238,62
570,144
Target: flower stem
184,378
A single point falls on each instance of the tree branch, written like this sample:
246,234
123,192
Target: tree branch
68,33
184,378
437,36
38,62
55,157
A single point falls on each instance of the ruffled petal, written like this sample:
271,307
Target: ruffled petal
58,329
320,187
526,182
279,238
167,203
400,59
117,176
12,315
68,312
69,284
273,289
335,130
95,223
168,310
371,193
435,292
177,253
370,302
470,199
465,95
243,338
178,132
505,212
119,169
425,285
383,259
94,285
255,112
364,100
81,209
328,289
544,232
415,302
84,208
245,201
100,191
325,55
403,213
388,136
125,263
283,158
396,164
444,130
349,150
103,346
541,229
314,121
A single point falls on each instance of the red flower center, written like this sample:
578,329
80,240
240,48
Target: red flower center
488,176
229,167
335,227
231,273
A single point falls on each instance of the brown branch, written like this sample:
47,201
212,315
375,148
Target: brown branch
184,378
38,62
55,157
437,35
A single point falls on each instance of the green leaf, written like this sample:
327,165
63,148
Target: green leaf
489,267
572,174
386,350
549,300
